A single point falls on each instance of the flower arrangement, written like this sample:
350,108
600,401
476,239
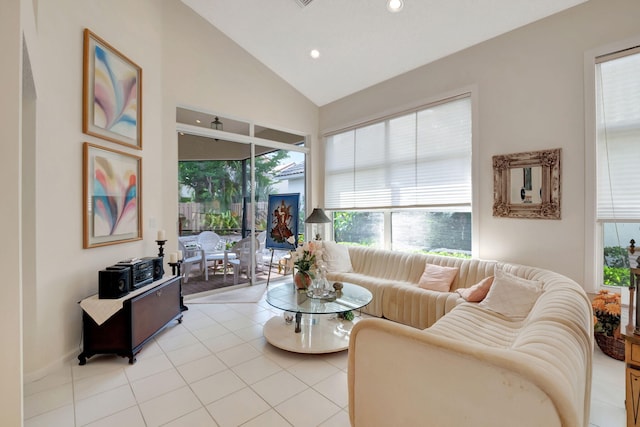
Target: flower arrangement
305,256
606,313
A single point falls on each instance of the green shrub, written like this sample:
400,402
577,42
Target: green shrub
449,254
616,276
221,221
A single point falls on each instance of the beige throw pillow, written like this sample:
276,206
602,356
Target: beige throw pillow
437,278
512,296
336,257
477,292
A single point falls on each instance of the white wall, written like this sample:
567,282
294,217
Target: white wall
185,61
65,272
10,208
290,186
220,78
529,88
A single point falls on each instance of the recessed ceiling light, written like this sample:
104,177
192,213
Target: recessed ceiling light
315,53
197,120
395,5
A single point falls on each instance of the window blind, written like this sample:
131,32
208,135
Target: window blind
618,137
418,159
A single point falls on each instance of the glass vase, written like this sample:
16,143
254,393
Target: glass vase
302,279
319,288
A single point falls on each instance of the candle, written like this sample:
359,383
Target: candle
173,258
179,255
160,235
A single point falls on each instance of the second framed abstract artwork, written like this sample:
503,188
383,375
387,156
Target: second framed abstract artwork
112,196
112,94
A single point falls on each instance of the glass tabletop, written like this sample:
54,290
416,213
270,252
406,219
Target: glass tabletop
285,297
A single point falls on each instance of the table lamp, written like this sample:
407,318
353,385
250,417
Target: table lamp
317,217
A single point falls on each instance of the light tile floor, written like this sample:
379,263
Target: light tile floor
216,369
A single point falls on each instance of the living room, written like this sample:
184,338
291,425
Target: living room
528,93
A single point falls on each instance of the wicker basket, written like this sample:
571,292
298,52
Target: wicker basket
611,346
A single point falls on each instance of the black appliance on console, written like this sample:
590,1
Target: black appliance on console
114,283
158,268
140,271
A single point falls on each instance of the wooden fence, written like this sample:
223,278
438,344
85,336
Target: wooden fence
192,215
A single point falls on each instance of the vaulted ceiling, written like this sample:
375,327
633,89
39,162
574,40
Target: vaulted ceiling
360,42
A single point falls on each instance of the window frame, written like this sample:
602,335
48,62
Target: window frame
593,229
471,92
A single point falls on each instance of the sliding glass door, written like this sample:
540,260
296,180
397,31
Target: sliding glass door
225,177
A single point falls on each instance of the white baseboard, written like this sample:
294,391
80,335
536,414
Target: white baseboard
53,366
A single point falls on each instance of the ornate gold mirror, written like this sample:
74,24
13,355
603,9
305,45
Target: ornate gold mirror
527,185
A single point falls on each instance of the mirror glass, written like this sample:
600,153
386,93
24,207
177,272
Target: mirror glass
526,185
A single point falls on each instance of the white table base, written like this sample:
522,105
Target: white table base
320,333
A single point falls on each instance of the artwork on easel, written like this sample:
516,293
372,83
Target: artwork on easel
282,220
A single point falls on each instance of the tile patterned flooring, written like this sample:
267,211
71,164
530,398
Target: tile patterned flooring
216,369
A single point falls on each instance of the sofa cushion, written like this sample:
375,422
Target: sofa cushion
336,257
437,277
477,292
512,296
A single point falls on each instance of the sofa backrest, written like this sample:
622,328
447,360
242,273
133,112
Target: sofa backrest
408,267
401,266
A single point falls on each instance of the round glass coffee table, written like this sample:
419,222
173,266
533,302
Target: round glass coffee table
313,325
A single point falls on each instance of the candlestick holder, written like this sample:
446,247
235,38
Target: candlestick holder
160,247
175,268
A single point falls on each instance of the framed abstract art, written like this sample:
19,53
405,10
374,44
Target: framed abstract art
112,94
282,220
112,196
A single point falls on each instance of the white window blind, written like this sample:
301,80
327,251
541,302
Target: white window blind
618,136
418,159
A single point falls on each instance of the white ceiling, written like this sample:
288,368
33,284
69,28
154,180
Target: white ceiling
361,43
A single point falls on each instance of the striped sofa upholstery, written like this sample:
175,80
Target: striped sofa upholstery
445,362
392,277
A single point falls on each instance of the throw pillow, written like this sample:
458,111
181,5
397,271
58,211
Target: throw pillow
437,278
477,292
512,296
336,257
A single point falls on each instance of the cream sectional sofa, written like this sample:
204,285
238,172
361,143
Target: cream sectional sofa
447,362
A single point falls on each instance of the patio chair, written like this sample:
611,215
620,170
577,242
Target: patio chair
214,251
210,242
243,260
192,256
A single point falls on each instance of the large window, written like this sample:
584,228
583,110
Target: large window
404,182
618,160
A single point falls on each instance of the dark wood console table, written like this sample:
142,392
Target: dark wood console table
632,353
144,313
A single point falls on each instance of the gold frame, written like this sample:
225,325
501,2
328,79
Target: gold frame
89,153
118,66
549,206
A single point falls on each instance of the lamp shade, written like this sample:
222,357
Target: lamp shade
317,217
